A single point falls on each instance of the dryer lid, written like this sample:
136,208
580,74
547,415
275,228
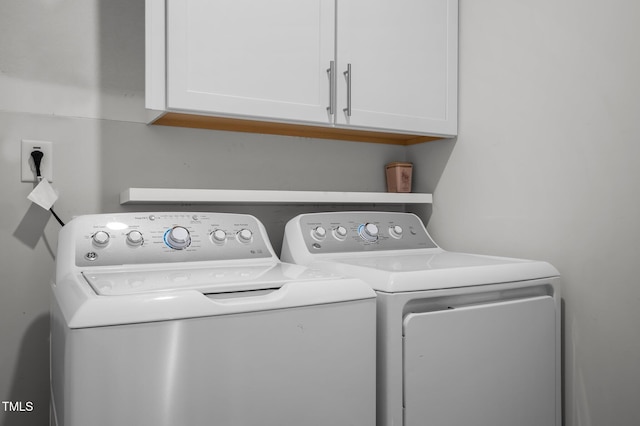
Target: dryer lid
426,261
437,269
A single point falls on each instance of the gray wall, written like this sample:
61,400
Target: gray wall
547,166
72,72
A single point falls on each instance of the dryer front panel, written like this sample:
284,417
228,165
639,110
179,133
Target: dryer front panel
490,364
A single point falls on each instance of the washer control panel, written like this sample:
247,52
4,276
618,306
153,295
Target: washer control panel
362,231
136,238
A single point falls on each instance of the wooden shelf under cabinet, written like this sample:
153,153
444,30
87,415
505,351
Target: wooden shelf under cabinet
287,129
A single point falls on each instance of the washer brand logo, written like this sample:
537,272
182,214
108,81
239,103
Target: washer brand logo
18,406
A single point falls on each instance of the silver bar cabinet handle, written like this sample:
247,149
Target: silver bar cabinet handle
347,75
331,71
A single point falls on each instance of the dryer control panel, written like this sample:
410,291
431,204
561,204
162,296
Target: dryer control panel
138,238
341,232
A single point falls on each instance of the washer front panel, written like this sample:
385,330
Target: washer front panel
139,238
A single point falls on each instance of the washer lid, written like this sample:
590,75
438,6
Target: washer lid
206,280
96,299
437,269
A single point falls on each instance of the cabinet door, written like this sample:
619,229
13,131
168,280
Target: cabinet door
403,57
250,58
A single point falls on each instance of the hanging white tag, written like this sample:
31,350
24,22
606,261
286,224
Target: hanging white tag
43,195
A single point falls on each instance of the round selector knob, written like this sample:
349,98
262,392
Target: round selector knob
245,235
178,238
319,233
368,232
395,231
135,238
218,236
340,232
101,238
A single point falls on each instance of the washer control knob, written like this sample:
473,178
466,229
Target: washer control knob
135,238
319,233
368,232
245,235
395,231
218,236
101,238
340,232
178,238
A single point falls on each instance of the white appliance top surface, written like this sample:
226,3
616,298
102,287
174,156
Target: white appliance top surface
125,268
222,279
393,252
127,296
414,270
425,262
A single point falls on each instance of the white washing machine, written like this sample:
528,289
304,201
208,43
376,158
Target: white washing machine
462,339
190,319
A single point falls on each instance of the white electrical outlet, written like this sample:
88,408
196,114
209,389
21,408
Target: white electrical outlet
28,167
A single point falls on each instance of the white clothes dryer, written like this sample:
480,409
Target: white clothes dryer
191,319
463,339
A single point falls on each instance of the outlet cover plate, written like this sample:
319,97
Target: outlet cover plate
27,167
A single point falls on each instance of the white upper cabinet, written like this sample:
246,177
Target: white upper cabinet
282,63
250,57
402,56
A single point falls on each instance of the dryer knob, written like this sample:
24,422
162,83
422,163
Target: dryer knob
218,236
178,238
396,231
101,238
135,238
368,232
319,233
340,233
245,235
